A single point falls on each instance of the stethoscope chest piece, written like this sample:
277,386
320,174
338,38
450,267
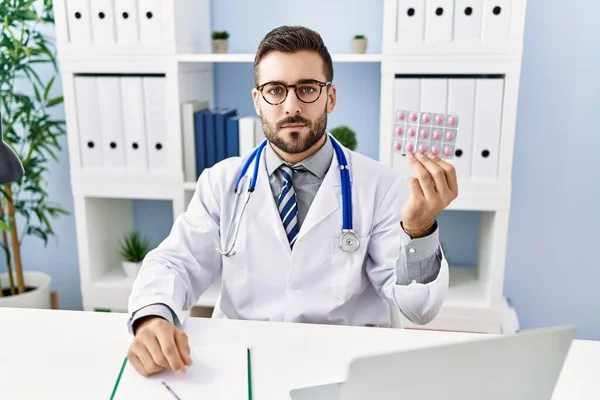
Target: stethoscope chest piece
349,241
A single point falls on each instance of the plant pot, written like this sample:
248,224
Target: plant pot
131,269
37,297
220,45
359,46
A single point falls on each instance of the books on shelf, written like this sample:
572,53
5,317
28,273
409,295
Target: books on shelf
211,135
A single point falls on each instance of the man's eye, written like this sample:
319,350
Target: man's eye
307,89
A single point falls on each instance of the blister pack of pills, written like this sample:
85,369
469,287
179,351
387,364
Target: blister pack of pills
425,132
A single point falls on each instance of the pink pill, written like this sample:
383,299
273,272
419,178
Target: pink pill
449,136
437,135
401,116
439,119
452,121
448,151
422,149
424,133
410,147
426,118
435,150
399,131
411,132
413,116
397,146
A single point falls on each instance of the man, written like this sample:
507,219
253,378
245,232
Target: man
289,264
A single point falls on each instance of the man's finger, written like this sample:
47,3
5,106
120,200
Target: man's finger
144,356
424,177
137,365
415,188
156,352
183,345
450,172
169,349
437,173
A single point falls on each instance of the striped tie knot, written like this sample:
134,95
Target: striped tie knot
287,205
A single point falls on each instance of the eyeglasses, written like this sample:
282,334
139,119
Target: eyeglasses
307,91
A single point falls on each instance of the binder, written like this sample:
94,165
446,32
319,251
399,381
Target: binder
79,21
189,112
134,128
149,17
220,129
259,134
200,118
407,96
461,102
103,21
438,20
211,137
434,92
496,21
88,119
111,123
246,126
126,21
218,372
156,126
232,131
467,20
410,21
487,128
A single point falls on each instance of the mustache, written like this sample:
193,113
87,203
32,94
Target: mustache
296,119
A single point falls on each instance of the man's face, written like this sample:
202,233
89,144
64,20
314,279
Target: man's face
293,126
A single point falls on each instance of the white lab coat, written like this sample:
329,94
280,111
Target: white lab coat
317,282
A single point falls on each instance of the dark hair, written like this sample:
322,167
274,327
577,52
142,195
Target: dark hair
290,39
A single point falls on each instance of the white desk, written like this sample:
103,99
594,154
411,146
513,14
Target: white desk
76,355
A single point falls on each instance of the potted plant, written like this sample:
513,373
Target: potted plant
31,130
345,136
359,44
133,249
220,41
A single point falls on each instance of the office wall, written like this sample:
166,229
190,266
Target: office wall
551,272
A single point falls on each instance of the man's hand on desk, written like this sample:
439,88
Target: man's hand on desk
157,345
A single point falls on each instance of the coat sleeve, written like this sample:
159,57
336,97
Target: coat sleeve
390,257
185,263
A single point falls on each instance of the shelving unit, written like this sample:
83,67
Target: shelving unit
429,44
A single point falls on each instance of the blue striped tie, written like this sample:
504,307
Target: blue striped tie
286,202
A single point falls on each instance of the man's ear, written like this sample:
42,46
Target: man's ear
256,100
331,98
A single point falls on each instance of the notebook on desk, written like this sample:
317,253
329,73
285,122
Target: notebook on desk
218,372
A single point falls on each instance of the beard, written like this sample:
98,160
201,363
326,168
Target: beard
297,142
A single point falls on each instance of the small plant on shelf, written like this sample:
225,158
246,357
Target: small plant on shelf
345,136
220,41
359,44
134,248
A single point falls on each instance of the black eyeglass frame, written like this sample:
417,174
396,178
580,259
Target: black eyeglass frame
287,89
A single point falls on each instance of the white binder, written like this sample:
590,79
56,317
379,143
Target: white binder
156,126
488,122
461,102
434,92
149,17
90,143
188,109
410,23
134,128
439,16
126,20
246,134
103,21
467,20
496,21
79,21
111,123
407,96
259,134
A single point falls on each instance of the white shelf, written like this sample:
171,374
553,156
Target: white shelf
249,57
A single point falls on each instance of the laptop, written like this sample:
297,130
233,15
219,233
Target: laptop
521,366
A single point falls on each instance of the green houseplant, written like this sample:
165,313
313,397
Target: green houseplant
345,136
359,44
32,132
220,41
133,249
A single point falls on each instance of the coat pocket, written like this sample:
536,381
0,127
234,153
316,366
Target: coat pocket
347,269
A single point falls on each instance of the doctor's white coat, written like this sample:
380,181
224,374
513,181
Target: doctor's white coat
317,282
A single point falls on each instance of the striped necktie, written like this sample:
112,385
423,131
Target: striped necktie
286,202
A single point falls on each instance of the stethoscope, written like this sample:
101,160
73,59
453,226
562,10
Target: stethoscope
349,241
